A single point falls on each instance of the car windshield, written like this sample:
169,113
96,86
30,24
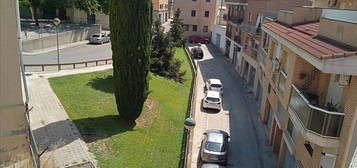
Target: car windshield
213,99
216,85
214,147
96,35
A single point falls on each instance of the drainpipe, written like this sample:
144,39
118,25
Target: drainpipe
21,55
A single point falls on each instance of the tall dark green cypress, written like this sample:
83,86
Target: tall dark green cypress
130,28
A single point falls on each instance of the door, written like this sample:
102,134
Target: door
91,19
218,40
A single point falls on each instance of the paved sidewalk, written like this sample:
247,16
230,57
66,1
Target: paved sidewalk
54,132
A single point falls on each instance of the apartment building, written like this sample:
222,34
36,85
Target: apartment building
198,16
243,33
171,8
161,10
309,81
17,148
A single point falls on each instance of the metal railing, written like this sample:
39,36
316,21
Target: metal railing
65,66
320,121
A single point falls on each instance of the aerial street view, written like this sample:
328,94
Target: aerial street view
178,84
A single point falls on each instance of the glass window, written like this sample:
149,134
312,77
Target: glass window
185,27
206,13
208,0
193,13
213,99
282,82
194,27
205,28
214,147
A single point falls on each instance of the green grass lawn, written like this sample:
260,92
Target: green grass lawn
155,142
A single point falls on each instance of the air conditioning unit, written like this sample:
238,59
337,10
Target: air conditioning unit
345,80
276,65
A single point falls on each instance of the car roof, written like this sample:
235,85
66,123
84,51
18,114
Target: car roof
213,94
212,166
217,137
215,81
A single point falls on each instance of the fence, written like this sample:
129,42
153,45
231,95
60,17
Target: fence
65,66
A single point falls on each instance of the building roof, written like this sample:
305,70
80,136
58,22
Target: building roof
305,37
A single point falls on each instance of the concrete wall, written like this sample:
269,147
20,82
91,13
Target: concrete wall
14,128
300,15
64,38
339,31
102,19
217,29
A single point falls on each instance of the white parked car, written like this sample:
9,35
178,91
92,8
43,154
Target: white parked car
212,100
99,39
214,85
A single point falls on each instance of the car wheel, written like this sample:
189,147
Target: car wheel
102,42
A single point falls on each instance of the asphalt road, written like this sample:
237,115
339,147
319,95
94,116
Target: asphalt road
248,147
80,53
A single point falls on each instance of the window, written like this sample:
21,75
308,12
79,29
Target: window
269,89
206,13
292,131
266,39
205,28
194,27
193,13
309,148
185,27
161,6
250,17
208,0
194,0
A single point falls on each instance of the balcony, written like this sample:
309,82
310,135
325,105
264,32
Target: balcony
319,121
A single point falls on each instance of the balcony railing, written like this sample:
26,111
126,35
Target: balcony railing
317,120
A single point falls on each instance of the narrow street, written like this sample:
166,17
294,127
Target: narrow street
249,146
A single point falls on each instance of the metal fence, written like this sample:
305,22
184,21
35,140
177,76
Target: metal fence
66,66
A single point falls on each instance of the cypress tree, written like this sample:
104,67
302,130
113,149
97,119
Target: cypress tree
130,26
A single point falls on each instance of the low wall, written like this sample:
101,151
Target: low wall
63,38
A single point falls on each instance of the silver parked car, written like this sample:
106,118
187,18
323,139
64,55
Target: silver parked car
212,166
99,39
214,146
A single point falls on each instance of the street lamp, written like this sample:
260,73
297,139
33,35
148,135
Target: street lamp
189,123
56,22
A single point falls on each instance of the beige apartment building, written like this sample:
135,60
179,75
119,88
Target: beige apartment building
16,146
161,10
309,80
198,16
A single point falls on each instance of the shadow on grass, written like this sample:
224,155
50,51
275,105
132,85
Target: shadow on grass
104,84
61,133
93,129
